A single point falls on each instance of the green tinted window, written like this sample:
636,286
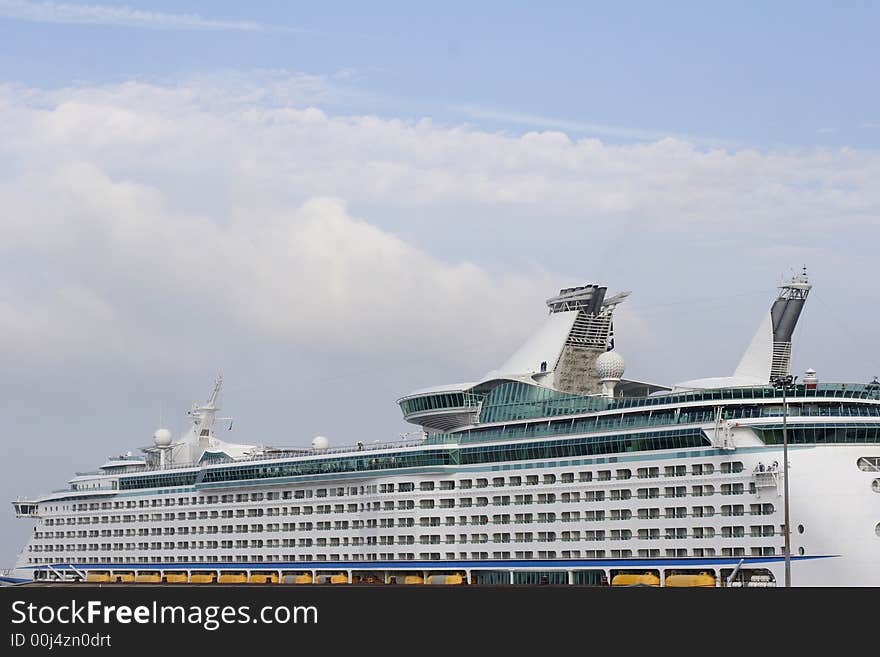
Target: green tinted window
821,433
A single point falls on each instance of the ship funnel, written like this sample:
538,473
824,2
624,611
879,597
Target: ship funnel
769,353
590,334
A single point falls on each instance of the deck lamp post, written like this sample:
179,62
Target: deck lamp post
784,383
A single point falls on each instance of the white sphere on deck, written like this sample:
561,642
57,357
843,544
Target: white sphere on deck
162,438
320,442
610,365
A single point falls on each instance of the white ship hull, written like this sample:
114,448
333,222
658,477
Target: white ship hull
830,547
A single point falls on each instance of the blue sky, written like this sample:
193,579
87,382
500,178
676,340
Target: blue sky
790,73
337,203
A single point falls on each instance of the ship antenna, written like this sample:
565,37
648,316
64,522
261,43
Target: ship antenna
215,393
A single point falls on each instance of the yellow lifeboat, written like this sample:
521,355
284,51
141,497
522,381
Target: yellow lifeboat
340,578
413,579
176,578
263,578
635,579
98,577
148,578
685,580
451,580
233,578
202,578
303,578
124,578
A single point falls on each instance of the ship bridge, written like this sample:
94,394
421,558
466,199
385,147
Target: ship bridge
25,508
442,408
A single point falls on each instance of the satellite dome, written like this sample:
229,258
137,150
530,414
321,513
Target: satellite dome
320,442
610,365
162,438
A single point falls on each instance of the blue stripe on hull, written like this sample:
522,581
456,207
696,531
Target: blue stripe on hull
503,564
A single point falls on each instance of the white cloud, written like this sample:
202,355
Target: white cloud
555,123
72,325
144,212
93,14
311,275
252,136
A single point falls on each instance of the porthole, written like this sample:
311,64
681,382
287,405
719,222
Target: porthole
800,529
877,529
869,464
801,551
875,485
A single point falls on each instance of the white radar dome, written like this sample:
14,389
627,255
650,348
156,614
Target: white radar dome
320,442
162,438
610,365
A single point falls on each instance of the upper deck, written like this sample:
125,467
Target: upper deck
561,393
550,425
571,363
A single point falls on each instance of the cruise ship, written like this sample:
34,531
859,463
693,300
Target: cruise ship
551,469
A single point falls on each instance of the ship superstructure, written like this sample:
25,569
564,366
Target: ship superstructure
551,468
